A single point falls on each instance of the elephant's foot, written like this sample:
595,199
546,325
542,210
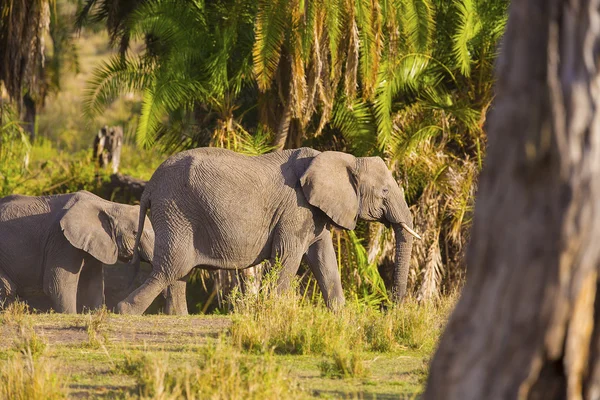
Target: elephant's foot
138,301
124,307
336,304
176,303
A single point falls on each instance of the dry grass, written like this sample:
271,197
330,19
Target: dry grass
26,374
265,322
220,372
15,314
344,364
96,325
24,378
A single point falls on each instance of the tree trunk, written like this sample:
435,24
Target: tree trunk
29,116
524,326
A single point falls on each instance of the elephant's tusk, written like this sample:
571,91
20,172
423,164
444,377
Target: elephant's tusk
409,230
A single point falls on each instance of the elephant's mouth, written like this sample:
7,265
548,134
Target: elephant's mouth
403,225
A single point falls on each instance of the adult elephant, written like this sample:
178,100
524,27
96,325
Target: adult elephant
58,244
214,208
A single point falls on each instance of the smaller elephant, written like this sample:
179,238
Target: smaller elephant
57,244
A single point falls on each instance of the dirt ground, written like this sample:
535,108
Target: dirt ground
90,370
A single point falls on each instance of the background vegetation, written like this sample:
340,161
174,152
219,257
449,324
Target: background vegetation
408,80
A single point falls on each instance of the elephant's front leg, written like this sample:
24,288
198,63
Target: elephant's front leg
8,290
90,290
323,264
60,284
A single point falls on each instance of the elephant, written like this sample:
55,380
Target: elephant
217,209
58,244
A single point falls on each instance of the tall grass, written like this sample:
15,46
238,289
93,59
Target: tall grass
27,374
285,324
221,372
24,378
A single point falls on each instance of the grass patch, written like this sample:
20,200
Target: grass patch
344,365
220,372
96,326
29,343
16,313
285,324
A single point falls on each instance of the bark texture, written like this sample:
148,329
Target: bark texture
524,326
107,147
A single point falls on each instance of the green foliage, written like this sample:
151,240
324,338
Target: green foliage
192,60
14,150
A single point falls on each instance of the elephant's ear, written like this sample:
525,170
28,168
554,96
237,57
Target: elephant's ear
87,227
329,183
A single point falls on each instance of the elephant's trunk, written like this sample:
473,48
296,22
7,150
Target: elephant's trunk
401,219
404,240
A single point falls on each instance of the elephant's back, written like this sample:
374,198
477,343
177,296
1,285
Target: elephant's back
18,206
24,224
232,201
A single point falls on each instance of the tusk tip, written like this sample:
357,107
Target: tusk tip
410,230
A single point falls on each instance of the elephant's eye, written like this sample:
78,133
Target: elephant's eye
385,191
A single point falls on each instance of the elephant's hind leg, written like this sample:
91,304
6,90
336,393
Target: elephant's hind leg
8,290
175,296
171,263
141,298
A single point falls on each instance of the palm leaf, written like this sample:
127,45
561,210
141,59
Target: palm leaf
467,27
418,23
269,32
113,77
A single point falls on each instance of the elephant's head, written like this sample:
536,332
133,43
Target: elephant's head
346,188
106,230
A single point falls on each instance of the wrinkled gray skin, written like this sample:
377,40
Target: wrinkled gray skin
214,208
57,244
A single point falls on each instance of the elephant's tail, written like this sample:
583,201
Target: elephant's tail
135,261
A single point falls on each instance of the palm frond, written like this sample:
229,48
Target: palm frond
418,23
269,32
113,77
466,28
356,124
